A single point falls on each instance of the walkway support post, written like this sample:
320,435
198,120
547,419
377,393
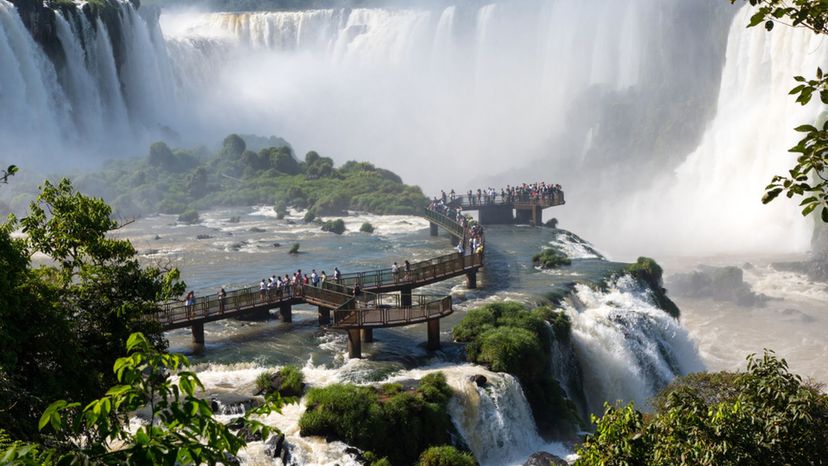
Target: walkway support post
432,228
367,335
286,311
354,344
405,297
433,334
198,333
471,280
324,315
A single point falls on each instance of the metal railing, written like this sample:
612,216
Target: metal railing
385,310
448,223
517,201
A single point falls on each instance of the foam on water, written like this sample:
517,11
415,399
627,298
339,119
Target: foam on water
574,247
628,348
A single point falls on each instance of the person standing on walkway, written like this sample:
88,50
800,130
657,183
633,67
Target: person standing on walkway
222,295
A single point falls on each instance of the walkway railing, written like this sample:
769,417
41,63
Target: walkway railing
518,202
448,223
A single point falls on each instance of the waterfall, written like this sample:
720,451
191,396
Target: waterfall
108,88
627,348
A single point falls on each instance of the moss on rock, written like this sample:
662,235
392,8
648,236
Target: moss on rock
647,271
507,337
390,422
551,258
334,226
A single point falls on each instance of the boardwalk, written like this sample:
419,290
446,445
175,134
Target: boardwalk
386,299
499,209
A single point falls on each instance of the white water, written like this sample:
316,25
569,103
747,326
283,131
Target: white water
480,91
627,347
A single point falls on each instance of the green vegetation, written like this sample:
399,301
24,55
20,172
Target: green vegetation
807,177
189,216
366,228
446,456
551,258
648,271
391,422
507,337
763,416
175,180
62,324
10,171
334,226
287,382
179,420
294,249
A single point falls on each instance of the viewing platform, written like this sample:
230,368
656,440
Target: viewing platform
507,210
386,299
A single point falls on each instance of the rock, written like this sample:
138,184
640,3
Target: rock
543,458
719,283
202,236
248,435
479,379
257,230
157,237
236,423
277,245
816,270
277,447
231,460
291,222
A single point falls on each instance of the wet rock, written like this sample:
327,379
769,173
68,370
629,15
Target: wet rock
291,222
257,230
719,283
157,237
816,270
277,245
543,458
231,460
277,447
479,379
202,236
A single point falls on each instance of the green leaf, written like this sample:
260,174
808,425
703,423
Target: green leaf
825,214
769,25
805,129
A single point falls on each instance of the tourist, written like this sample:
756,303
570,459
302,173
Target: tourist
395,272
357,289
263,290
407,268
314,278
337,275
323,278
189,302
222,295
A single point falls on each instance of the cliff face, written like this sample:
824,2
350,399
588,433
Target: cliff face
40,21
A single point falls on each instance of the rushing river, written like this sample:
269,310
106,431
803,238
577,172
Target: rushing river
626,347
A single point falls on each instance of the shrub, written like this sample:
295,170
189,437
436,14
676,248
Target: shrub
310,215
552,223
648,272
288,382
334,226
388,421
764,416
294,249
189,216
366,228
551,258
264,380
446,456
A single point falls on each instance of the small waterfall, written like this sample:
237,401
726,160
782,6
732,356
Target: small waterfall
627,347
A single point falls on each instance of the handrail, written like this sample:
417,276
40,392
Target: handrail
518,201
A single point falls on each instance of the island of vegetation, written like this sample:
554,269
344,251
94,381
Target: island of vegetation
183,182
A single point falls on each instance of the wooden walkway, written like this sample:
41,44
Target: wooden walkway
386,299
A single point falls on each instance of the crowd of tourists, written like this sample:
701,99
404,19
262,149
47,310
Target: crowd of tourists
277,287
472,231
526,192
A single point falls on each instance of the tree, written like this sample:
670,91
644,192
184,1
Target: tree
62,324
180,428
764,416
808,177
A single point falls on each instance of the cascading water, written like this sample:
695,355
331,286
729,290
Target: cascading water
627,348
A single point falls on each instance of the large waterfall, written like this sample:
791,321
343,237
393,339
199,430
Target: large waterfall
643,110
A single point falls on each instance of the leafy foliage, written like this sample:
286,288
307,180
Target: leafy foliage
445,456
764,416
61,324
808,177
507,337
188,216
366,227
294,249
551,258
334,226
389,421
175,180
181,429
